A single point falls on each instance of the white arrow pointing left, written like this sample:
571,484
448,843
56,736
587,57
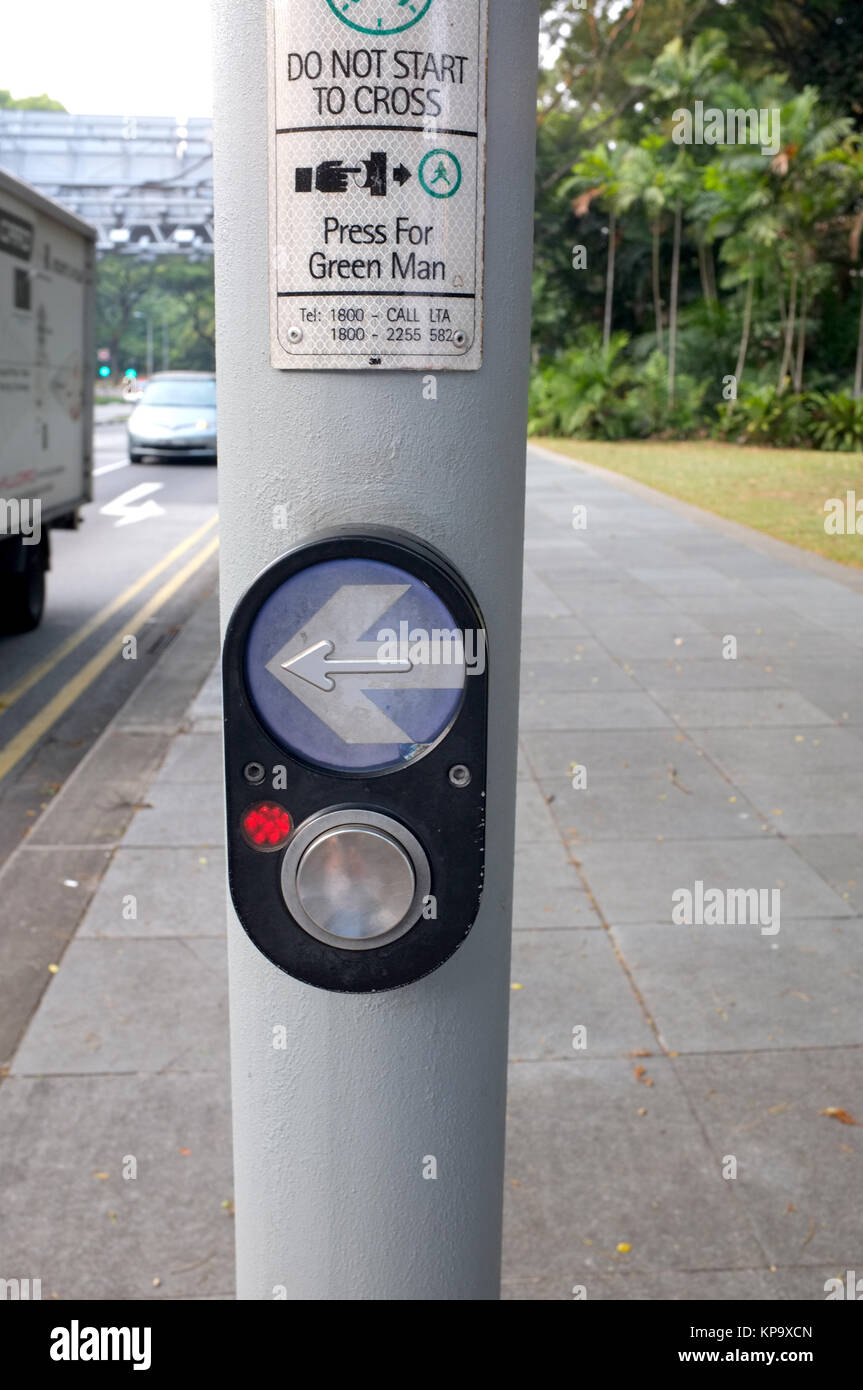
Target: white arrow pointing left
130,506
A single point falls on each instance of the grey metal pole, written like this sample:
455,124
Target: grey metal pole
164,344
334,1131
149,345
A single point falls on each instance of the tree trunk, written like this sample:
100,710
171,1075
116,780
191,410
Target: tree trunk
657,288
609,278
790,325
744,336
702,270
801,342
675,291
858,374
711,273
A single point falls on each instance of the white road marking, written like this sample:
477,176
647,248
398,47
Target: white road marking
110,467
130,506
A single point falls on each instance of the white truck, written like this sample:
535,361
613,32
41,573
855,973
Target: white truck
46,388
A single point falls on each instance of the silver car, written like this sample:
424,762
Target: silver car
175,418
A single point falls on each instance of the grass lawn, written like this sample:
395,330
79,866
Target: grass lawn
780,491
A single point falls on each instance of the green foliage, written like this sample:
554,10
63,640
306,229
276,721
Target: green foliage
41,103
177,297
765,287
837,421
646,406
765,416
581,392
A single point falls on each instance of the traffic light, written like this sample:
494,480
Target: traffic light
104,371
131,374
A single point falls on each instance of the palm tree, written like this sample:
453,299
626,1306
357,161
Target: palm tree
642,180
598,175
847,161
735,205
805,201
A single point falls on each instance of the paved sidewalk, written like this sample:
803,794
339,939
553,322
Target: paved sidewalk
702,1043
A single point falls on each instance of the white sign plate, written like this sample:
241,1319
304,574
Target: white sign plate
377,182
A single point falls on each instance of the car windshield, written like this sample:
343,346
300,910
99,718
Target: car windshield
180,393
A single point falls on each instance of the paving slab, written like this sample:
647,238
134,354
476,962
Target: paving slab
160,892
609,753
839,861
734,988
590,710
798,1168
533,818
796,751
664,805
562,981
131,1007
669,1286
587,1172
71,1218
634,880
808,803
548,891
714,673
714,709
193,758
178,814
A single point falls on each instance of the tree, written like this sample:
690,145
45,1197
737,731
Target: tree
41,103
806,201
598,175
847,162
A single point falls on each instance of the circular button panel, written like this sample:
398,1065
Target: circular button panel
355,879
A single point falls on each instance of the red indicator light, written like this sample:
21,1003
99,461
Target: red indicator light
267,825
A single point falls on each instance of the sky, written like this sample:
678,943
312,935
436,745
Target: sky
110,57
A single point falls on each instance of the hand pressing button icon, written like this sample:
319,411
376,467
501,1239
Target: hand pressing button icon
329,177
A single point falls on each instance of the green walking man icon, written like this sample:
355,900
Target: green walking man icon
440,174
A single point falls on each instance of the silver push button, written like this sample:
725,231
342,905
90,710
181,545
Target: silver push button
355,879
356,882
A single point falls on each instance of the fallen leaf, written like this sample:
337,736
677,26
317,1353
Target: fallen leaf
835,1113
516,986
623,1248
157,1282
101,1176
184,1152
53,969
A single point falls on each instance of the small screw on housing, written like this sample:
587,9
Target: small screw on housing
295,335
460,338
254,773
460,775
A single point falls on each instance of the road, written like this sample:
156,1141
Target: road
144,557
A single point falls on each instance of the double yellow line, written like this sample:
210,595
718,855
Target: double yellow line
30,734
